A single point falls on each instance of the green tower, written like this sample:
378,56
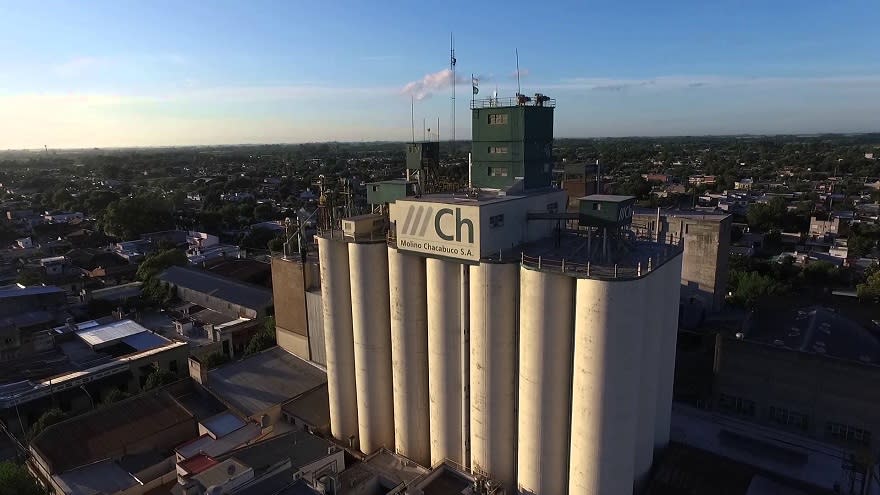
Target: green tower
512,139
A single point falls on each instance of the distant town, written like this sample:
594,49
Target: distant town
167,326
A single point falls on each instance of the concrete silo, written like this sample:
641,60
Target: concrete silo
371,327
409,355
545,360
494,299
444,359
653,320
605,385
338,339
671,275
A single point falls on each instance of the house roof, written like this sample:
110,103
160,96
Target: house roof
224,288
256,384
99,434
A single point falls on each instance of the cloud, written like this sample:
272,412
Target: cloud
79,65
430,83
687,82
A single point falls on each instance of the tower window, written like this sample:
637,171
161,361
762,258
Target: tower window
497,119
496,221
497,171
497,150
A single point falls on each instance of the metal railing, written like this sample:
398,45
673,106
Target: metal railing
631,268
339,235
512,101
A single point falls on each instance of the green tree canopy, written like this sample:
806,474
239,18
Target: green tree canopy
48,419
15,480
129,217
870,289
749,288
159,378
155,263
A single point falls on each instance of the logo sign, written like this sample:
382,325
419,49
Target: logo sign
437,228
625,213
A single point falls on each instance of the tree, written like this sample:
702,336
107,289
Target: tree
114,395
750,287
15,480
48,419
263,212
216,359
157,262
129,217
159,378
263,340
870,290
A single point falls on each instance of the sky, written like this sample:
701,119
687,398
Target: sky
180,72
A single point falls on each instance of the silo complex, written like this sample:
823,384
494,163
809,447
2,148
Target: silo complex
505,328
409,355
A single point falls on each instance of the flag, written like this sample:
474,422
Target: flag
476,83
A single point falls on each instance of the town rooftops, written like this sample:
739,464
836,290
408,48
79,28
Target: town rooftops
217,286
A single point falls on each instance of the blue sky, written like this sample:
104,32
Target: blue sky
127,73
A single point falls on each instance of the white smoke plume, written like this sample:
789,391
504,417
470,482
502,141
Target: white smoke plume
431,83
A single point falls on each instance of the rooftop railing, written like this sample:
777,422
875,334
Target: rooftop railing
513,101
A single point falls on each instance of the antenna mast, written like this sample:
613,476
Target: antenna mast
452,68
518,87
412,116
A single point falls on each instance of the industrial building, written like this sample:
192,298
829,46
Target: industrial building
706,241
493,329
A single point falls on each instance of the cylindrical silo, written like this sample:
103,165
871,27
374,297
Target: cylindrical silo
653,321
338,340
671,276
546,333
494,313
605,386
409,355
444,359
371,325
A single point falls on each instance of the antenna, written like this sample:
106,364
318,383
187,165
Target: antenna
412,116
452,68
518,87
423,130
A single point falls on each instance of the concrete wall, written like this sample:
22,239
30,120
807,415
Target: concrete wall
314,306
706,252
288,290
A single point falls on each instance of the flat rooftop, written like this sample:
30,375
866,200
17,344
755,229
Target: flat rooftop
257,383
576,255
769,450
301,447
686,214
220,287
482,196
96,479
814,329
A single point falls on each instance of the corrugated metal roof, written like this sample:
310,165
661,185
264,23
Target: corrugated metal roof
110,333
224,288
30,291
